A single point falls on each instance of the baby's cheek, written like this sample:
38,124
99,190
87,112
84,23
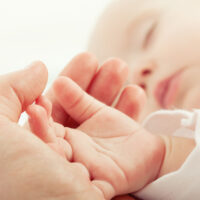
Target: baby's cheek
192,99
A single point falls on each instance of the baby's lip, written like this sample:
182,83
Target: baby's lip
166,90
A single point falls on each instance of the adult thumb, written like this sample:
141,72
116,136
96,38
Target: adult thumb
20,89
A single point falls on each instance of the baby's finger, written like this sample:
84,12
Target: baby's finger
62,147
46,104
77,103
81,69
131,101
109,80
39,123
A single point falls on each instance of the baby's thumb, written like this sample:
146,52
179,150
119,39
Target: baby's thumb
19,89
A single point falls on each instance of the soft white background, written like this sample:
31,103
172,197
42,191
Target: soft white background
52,31
49,30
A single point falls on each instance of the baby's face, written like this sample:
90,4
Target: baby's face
161,46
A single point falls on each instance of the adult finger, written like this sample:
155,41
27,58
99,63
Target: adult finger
131,101
74,100
109,80
19,89
81,69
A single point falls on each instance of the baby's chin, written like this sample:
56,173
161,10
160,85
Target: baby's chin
191,100
188,95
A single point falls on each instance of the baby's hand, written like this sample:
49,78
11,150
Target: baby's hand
120,156
104,83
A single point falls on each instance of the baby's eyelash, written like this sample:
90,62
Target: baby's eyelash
149,36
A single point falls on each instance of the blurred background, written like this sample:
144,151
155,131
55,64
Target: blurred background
52,31
49,30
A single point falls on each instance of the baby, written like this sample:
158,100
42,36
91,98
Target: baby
160,42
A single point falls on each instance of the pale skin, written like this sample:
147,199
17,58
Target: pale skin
106,141
39,173
92,80
112,69
96,83
156,39
103,82
180,147
128,104
84,70
107,137
30,169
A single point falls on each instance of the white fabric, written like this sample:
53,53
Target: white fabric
184,184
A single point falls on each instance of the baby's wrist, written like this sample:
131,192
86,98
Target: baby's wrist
153,156
177,149
159,151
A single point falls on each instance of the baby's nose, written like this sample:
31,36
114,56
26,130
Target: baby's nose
142,74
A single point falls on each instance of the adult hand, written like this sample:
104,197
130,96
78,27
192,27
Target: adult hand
29,169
